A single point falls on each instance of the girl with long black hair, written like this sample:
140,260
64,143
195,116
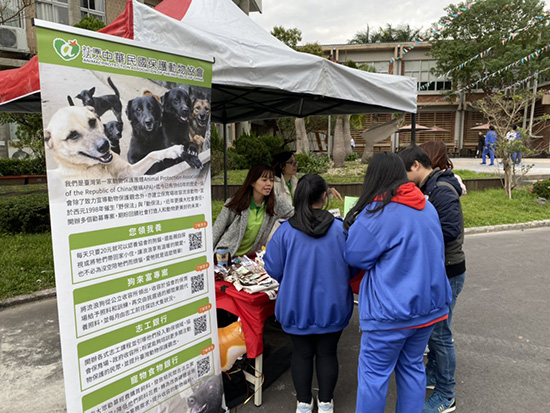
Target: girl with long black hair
394,235
315,302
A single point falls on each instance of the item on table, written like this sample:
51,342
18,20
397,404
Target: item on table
222,256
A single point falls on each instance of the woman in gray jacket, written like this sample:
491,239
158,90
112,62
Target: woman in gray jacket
246,220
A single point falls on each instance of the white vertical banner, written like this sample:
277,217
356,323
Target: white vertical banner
127,133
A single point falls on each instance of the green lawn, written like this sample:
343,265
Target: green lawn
26,262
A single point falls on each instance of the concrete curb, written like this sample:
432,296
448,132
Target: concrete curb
27,298
51,292
507,227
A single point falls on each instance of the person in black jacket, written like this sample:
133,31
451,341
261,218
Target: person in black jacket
443,190
480,144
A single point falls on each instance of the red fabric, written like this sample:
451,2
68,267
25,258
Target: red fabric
175,9
16,83
429,323
123,25
355,282
253,309
408,194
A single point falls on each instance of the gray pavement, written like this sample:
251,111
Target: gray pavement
540,166
500,324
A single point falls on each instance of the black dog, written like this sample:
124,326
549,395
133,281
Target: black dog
145,115
113,131
200,115
175,125
207,396
102,104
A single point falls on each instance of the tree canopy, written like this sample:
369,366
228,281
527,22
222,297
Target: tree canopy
290,37
387,34
11,11
496,24
89,22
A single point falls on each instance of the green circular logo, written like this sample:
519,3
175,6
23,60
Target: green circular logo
67,50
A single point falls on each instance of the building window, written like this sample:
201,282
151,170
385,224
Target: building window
56,11
9,15
94,8
425,80
381,67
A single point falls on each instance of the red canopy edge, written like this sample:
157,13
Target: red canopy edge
175,9
25,80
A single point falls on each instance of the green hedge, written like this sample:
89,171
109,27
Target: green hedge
11,167
310,163
24,214
542,188
249,150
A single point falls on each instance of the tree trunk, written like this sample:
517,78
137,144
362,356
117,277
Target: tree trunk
339,152
508,175
302,143
347,135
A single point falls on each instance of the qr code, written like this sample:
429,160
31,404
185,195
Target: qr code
195,241
199,325
203,367
197,283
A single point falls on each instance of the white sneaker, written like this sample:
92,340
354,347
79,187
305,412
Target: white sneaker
327,407
304,407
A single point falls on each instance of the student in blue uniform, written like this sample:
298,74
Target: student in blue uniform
490,145
395,236
315,302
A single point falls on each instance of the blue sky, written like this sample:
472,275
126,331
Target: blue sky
338,21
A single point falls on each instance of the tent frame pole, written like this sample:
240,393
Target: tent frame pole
224,160
413,129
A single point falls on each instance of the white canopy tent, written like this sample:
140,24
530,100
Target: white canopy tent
258,77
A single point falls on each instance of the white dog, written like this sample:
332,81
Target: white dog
76,139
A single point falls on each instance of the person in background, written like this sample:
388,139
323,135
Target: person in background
516,156
490,145
443,191
437,151
246,220
314,302
480,144
352,142
286,168
395,236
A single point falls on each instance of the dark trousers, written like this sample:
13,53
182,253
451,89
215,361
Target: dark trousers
322,348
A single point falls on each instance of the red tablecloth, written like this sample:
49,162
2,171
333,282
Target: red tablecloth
253,309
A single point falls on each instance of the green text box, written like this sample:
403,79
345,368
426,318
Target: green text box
118,234
127,333
124,384
118,285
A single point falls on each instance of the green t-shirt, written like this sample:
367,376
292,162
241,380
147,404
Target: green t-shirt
255,219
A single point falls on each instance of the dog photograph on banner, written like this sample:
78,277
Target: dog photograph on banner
122,126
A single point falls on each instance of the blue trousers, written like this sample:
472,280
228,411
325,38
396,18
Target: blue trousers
441,364
381,353
491,152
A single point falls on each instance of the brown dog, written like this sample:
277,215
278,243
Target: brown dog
200,115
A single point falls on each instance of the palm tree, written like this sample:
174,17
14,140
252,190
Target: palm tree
339,150
388,34
362,37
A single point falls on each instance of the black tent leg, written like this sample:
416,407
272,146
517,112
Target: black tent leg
224,161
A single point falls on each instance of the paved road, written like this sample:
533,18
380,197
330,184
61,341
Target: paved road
539,166
501,326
